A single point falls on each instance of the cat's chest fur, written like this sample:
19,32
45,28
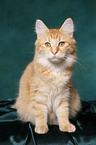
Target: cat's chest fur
55,78
53,82
56,85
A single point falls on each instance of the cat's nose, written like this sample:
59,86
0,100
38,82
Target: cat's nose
54,51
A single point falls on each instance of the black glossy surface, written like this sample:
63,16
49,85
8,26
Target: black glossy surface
15,132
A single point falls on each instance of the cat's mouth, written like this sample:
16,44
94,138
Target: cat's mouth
55,59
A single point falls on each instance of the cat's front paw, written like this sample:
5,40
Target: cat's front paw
41,129
67,127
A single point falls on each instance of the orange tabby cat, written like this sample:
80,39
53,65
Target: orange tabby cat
46,93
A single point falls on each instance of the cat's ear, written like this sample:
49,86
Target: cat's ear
41,28
68,27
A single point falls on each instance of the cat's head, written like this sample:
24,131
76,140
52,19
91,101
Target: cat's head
56,45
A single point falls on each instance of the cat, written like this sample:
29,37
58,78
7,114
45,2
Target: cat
46,91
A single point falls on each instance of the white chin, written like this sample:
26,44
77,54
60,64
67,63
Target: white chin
55,60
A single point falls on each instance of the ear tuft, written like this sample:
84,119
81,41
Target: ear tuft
68,27
41,28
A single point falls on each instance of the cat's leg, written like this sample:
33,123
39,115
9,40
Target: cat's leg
75,104
63,117
40,113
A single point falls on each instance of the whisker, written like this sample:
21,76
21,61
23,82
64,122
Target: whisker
81,66
84,62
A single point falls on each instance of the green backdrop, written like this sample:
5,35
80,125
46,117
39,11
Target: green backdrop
17,37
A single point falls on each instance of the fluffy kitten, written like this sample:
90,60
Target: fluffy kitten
46,92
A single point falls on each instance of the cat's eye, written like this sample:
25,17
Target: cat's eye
47,44
61,43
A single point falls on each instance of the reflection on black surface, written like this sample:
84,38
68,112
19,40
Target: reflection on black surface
15,132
